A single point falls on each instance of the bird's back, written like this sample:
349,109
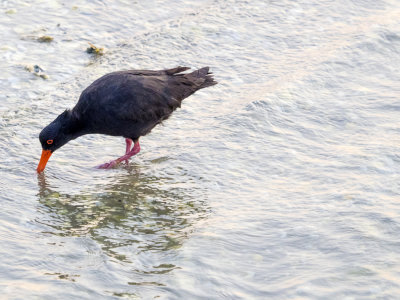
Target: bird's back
131,103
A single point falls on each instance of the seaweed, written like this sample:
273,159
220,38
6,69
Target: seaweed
97,51
45,39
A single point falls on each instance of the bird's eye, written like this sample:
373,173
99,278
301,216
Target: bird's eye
49,142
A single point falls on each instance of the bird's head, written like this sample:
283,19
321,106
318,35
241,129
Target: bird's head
55,135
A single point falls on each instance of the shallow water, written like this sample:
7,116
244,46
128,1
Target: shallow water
280,182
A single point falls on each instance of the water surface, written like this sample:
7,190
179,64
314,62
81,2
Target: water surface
281,182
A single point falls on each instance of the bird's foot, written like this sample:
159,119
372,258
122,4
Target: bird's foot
135,150
108,165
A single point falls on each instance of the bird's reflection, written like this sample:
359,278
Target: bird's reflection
137,211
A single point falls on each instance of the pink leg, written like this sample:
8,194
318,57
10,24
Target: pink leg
135,150
128,147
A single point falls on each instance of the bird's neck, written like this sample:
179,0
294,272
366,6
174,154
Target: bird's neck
73,125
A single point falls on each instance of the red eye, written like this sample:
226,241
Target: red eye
49,142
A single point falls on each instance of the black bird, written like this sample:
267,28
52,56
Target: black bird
125,103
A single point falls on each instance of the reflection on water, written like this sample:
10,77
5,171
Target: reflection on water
135,215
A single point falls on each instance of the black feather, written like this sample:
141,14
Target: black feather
128,103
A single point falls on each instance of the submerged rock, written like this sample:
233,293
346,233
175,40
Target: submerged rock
45,39
11,11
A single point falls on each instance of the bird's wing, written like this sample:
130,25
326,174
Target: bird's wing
127,96
173,71
147,99
141,96
154,98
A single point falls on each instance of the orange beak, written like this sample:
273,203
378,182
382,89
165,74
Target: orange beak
43,160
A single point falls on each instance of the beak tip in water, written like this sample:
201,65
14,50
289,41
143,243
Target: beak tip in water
43,160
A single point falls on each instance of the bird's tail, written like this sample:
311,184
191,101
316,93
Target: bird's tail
201,78
185,85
